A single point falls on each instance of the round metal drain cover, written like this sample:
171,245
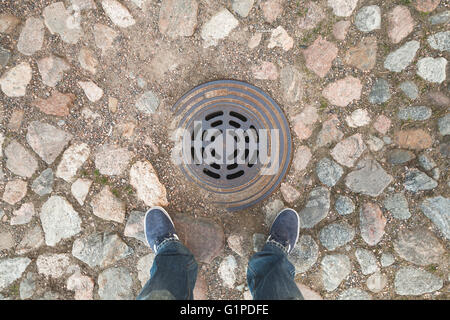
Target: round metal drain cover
233,141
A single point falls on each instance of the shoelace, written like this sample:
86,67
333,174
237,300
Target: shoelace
274,238
163,240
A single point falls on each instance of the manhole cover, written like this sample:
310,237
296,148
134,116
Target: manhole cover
233,141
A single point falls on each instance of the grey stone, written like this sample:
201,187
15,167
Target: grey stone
440,18
367,261
432,69
143,266
59,220
437,209
376,282
440,41
419,246
410,89
258,241
374,143
149,189
218,27
291,81
178,18
112,160
106,205
14,82
4,56
118,13
147,103
336,235
368,18
399,156
6,240
305,254
92,91
316,208
20,161
335,268
104,37
271,210
242,7
54,265
83,4
58,20
23,215
354,294
329,172
46,140
387,140
426,162
115,284
398,60
11,269
415,281
49,295
80,189
100,249
444,125
32,240
369,178
397,205
31,37
43,184
227,271
343,8
435,173
371,223
135,226
419,113
444,149
380,92
387,259
27,286
52,69
344,205
416,180
72,160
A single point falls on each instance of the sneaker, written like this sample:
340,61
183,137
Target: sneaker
158,227
285,230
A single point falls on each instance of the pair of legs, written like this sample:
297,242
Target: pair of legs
270,275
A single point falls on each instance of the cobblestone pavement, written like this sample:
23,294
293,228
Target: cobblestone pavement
86,90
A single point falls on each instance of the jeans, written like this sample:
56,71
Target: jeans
270,275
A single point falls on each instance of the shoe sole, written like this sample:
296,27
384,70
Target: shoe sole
145,220
298,224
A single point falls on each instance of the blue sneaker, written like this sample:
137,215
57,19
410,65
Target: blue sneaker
158,227
285,230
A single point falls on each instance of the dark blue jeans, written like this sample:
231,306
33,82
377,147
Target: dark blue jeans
270,275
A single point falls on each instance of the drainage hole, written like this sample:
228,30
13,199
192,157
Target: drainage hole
238,115
211,174
234,124
232,166
213,115
216,123
215,166
235,175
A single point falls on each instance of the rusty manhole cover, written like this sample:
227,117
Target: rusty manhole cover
233,141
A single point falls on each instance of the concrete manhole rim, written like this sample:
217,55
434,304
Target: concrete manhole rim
256,109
